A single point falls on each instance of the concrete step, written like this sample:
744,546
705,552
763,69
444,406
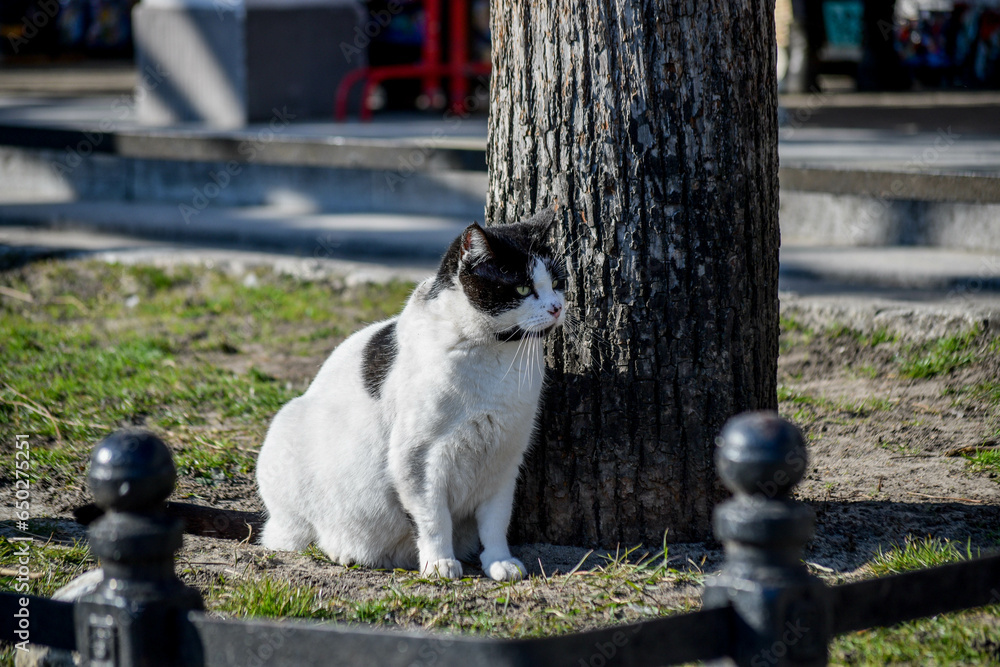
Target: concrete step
193,186
838,187
893,270
864,187
287,229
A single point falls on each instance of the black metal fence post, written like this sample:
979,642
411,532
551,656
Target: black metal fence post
784,612
133,618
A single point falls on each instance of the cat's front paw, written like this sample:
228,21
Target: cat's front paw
508,569
444,568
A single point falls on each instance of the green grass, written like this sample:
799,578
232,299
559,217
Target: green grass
966,638
861,408
872,338
963,638
84,358
51,565
213,459
103,346
793,333
986,460
620,588
941,356
792,325
916,554
868,371
267,597
987,391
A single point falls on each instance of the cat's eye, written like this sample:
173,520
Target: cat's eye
558,284
523,290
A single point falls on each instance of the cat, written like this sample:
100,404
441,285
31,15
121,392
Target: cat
405,449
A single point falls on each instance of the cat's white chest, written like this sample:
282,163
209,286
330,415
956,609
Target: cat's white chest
452,384
464,413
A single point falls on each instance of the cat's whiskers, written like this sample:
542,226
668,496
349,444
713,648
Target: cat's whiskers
512,360
520,365
517,354
572,327
578,241
530,353
575,329
529,361
539,360
526,366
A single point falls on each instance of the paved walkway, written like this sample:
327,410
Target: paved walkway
858,284
413,245
943,150
949,131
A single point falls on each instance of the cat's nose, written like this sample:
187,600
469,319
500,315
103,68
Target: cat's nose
555,309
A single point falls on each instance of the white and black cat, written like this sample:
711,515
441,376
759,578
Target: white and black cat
405,450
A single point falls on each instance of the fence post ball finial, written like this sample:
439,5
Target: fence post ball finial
131,470
133,612
760,454
760,458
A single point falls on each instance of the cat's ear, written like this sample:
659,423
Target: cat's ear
475,245
543,220
540,223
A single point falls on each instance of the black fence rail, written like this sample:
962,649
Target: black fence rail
763,608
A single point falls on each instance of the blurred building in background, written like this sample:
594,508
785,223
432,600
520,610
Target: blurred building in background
75,29
889,44
231,62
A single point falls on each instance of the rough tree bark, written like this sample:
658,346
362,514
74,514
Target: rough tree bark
652,125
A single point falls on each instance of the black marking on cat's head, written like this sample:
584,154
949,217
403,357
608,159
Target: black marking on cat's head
377,359
504,247
538,225
491,264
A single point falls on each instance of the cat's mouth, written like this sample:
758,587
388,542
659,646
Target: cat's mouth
516,333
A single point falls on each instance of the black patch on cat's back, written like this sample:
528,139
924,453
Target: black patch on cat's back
377,359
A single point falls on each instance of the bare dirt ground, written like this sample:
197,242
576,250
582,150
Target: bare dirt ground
886,450
876,477
886,464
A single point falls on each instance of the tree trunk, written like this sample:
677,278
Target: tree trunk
652,125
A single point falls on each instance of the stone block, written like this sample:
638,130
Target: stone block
229,65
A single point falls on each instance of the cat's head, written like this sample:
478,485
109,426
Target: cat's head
510,274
